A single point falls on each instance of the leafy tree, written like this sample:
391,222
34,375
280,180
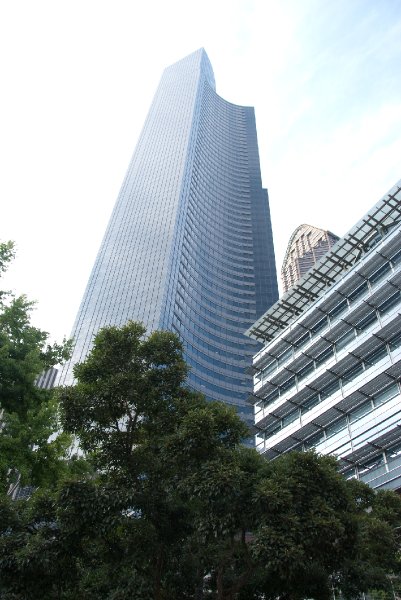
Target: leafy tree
318,531
178,508
147,434
7,253
28,415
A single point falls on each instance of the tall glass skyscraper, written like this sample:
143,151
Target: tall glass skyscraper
189,244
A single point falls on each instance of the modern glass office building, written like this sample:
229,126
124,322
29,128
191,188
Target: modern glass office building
189,244
329,374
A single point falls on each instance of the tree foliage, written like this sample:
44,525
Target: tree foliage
177,507
28,415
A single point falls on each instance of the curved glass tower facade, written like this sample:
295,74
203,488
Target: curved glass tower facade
189,244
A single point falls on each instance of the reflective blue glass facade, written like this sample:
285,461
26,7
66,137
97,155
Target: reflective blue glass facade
189,244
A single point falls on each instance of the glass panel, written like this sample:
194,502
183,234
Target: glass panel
259,441
385,395
394,451
258,407
285,356
389,303
360,411
313,441
396,258
345,339
330,388
319,325
395,342
306,370
309,403
271,397
366,321
271,366
302,340
325,355
336,426
358,292
272,429
379,273
376,356
287,384
371,464
353,372
343,305
290,418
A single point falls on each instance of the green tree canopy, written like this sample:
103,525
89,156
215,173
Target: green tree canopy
177,507
28,415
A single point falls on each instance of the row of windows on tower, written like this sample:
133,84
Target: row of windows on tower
215,282
228,328
192,296
201,282
190,258
216,243
230,343
244,302
213,258
217,347
225,394
205,235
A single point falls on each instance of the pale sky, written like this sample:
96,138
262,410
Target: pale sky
78,77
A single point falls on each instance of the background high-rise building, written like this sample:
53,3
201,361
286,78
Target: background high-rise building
306,247
189,244
329,374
